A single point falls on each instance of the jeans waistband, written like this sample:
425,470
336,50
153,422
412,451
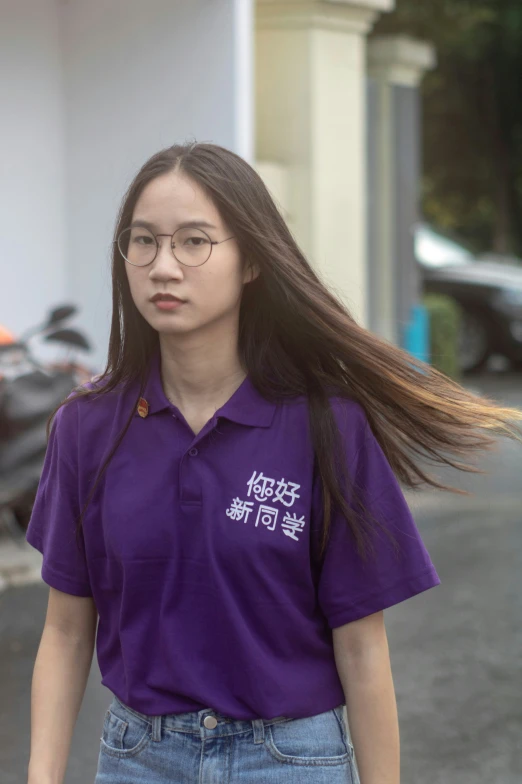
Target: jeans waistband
194,722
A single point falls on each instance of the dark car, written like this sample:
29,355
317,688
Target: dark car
489,294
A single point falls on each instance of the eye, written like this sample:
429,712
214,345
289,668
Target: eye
143,239
195,241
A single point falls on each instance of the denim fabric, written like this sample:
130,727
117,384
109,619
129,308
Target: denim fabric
178,748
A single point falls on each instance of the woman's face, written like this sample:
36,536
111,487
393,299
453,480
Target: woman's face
207,295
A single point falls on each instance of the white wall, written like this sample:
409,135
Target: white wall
138,77
31,162
89,90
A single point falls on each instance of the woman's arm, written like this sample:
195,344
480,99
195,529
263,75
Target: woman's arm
363,663
60,676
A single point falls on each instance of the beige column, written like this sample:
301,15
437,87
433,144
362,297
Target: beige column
393,61
310,124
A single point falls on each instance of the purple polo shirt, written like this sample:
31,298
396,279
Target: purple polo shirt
200,552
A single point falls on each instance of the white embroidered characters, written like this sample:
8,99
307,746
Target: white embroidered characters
286,490
239,509
268,516
292,524
263,488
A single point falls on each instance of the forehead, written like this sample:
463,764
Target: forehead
172,198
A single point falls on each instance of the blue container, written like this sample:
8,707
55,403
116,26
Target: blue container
416,336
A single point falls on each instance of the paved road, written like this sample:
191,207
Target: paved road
456,650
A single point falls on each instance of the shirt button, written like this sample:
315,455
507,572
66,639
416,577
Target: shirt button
193,452
210,722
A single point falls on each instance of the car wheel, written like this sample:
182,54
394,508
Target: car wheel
516,365
473,342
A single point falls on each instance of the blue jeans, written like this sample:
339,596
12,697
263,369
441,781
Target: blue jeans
182,749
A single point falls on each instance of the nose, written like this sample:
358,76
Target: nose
165,266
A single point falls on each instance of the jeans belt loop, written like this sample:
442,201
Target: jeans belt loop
156,728
258,726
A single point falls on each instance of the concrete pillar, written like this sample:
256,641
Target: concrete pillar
310,120
396,66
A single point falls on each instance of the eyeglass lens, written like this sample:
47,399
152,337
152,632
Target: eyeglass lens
139,246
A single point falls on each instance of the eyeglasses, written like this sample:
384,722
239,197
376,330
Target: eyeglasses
191,247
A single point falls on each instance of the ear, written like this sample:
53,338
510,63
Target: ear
250,273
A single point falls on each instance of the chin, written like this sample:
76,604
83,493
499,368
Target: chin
166,326
170,322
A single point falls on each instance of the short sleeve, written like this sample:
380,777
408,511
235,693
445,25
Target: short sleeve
52,527
349,587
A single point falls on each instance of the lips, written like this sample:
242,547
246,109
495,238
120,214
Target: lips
165,298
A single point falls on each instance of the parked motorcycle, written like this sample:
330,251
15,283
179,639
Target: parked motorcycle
29,391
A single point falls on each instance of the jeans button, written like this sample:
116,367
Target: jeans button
210,722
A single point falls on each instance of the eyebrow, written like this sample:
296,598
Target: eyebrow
192,224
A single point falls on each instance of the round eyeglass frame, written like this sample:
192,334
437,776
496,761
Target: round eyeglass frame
211,243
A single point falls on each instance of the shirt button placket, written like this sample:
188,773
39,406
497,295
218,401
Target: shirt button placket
189,478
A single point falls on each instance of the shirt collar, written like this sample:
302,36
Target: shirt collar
153,392
246,406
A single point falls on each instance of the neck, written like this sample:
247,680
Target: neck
199,372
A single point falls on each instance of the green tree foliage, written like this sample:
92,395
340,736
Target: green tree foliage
444,318
472,118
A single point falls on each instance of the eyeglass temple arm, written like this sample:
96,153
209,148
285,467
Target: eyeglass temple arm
218,242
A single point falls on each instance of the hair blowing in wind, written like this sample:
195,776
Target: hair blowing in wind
297,338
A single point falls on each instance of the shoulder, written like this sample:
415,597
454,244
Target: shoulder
93,405
353,426
349,414
343,407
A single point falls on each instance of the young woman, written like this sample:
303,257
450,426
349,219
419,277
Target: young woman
233,476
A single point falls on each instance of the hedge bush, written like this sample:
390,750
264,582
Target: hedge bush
444,319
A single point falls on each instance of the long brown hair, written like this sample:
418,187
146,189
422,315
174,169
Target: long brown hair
296,338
